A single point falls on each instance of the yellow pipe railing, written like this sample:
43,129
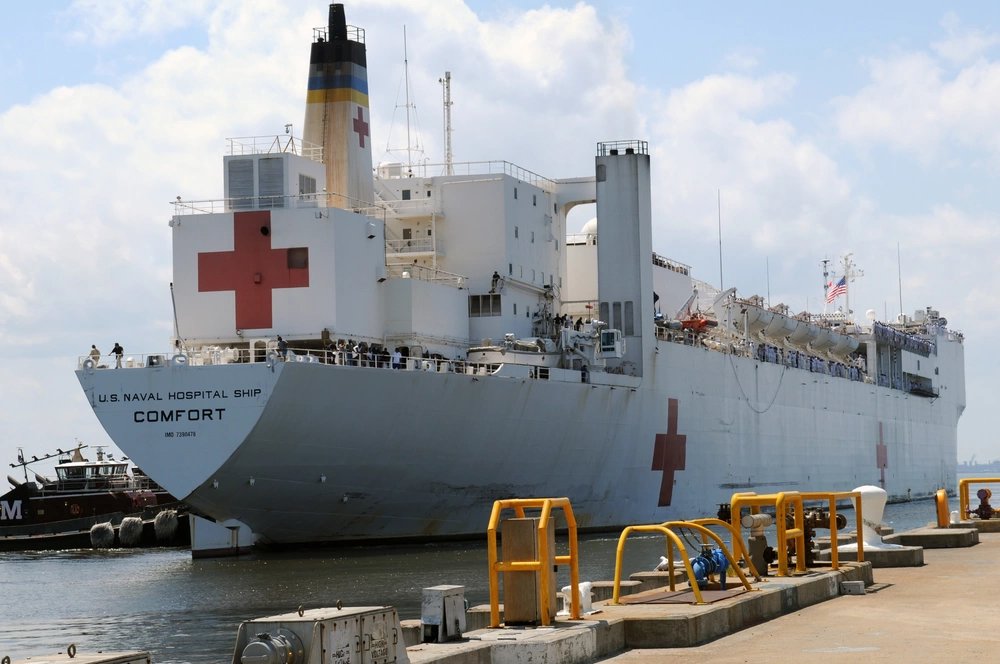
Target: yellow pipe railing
739,546
541,566
832,497
963,492
781,502
666,529
941,503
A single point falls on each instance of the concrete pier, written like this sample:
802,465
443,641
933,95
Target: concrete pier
937,612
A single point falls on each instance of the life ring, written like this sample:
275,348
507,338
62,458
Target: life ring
180,360
88,363
71,650
74,509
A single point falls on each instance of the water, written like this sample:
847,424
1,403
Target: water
185,610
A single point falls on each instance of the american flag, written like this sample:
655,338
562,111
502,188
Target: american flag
835,290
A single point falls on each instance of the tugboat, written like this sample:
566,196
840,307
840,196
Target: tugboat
89,504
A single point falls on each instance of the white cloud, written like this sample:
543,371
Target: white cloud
963,45
915,104
102,23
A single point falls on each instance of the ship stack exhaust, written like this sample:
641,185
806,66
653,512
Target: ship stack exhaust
625,271
337,115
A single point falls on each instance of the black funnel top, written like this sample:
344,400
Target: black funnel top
338,22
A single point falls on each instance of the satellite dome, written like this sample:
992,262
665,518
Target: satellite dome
590,228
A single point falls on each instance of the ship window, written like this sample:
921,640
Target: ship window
603,311
484,305
298,258
407,233
515,193
510,269
555,208
515,232
534,199
515,308
307,185
532,237
271,182
616,315
406,194
629,322
428,193
240,183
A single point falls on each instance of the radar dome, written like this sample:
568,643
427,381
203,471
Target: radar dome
590,228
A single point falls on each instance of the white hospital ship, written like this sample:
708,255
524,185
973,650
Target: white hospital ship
448,344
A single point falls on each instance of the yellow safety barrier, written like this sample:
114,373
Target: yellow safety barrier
544,524
666,529
739,546
941,502
832,497
781,502
963,492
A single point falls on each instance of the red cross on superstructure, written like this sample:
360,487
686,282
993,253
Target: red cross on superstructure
669,453
881,456
361,127
253,269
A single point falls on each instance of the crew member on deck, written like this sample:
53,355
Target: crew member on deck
282,348
494,281
95,355
118,351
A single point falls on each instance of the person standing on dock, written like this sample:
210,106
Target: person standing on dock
118,351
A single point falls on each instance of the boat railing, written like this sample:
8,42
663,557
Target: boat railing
494,167
411,271
275,144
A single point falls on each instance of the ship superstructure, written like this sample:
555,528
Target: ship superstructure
384,356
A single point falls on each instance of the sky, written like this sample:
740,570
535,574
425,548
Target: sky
810,130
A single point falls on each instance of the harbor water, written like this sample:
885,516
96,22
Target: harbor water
185,610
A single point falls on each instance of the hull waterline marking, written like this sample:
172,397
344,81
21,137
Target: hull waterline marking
669,453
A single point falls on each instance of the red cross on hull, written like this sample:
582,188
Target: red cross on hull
669,454
253,269
881,456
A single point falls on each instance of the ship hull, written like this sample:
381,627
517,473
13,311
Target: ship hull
308,452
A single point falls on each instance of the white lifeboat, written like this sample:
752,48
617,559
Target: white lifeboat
822,341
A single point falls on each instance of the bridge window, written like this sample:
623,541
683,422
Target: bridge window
482,306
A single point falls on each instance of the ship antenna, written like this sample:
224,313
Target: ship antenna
406,77
446,92
899,278
721,285
826,280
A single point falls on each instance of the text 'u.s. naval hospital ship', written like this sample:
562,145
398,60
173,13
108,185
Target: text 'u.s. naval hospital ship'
448,345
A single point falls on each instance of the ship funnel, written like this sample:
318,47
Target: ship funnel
338,22
337,116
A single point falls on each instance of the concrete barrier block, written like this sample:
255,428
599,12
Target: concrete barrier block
478,617
653,580
413,631
604,590
852,587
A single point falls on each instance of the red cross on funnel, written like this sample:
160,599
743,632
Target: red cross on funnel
253,269
668,454
361,127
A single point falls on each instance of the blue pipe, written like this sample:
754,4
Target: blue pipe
710,562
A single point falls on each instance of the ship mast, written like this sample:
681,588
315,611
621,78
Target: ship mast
850,272
406,77
446,92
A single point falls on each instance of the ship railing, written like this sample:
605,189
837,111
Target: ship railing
479,168
417,245
280,143
354,34
411,271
